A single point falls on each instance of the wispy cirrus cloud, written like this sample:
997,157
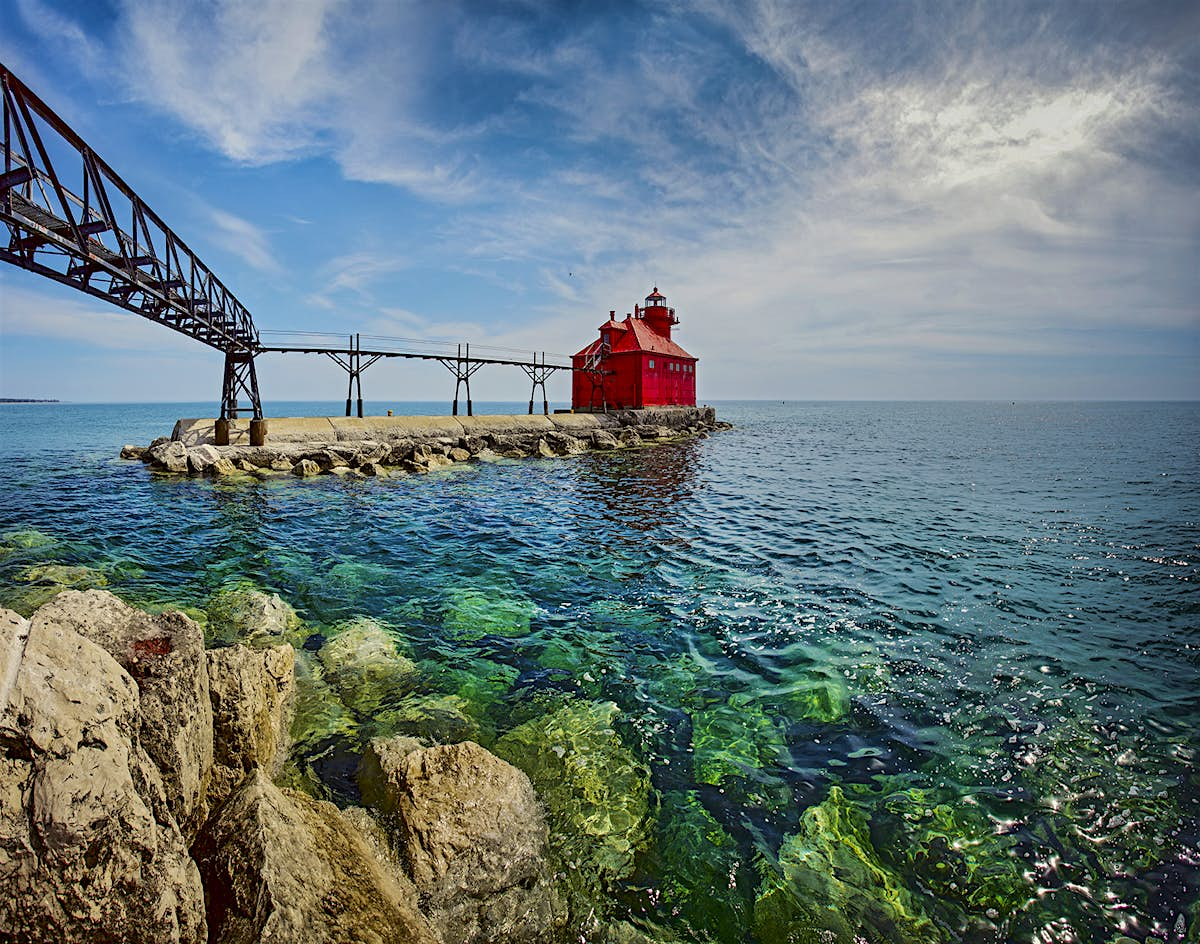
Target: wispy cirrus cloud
244,239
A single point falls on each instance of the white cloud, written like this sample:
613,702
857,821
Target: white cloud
245,240
63,314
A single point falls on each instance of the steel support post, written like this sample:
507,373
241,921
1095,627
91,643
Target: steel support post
240,381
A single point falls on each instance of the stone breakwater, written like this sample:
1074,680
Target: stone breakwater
144,796
404,445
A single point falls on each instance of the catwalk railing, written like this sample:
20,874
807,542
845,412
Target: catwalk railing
354,359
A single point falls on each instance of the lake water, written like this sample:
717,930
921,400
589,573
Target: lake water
918,671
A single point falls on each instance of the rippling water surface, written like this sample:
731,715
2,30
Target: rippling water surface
934,667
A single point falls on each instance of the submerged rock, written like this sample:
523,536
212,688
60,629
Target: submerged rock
737,745
248,615
253,695
439,718
89,850
597,794
24,539
496,611
165,656
64,576
954,850
703,880
814,695
363,663
46,581
472,832
830,886
281,867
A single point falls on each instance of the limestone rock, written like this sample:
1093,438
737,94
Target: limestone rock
170,455
370,469
364,664
305,468
460,455
130,451
224,467
472,832
253,695
603,439
564,444
89,851
201,458
165,656
630,437
544,450
282,868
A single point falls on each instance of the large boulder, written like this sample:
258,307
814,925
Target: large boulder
472,832
165,656
202,458
171,456
282,868
253,694
89,850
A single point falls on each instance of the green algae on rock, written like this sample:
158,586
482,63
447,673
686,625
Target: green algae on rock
244,613
439,719
829,886
818,694
701,869
958,854
735,740
478,681
23,539
46,581
472,613
597,793
363,662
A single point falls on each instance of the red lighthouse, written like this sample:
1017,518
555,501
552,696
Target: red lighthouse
634,363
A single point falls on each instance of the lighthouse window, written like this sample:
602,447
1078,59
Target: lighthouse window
652,364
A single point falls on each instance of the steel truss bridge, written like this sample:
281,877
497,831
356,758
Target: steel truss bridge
70,217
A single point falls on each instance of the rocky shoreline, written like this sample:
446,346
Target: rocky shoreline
406,445
148,796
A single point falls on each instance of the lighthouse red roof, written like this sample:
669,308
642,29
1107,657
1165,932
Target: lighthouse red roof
635,335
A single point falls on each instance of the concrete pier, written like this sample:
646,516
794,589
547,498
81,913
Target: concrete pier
388,445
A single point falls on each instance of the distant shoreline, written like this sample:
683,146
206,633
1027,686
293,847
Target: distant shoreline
25,400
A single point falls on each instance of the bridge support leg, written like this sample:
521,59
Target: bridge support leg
240,381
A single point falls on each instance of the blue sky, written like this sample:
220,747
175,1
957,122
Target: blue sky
842,200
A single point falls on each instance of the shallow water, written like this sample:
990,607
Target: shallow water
979,620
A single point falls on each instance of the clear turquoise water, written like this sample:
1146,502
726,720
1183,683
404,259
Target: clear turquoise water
980,621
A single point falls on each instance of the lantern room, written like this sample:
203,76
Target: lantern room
634,363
